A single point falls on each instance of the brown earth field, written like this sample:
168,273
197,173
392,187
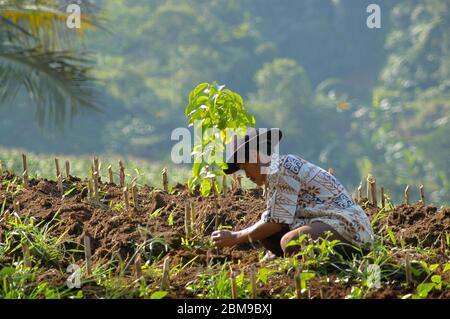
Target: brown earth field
155,229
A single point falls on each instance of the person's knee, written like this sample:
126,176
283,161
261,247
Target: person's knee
284,243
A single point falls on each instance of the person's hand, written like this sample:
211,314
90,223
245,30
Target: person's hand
223,238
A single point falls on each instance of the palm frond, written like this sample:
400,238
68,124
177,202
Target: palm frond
57,82
33,59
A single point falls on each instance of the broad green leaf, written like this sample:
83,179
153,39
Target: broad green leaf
206,187
424,289
158,295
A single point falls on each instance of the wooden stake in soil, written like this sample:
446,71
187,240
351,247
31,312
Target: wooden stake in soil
60,185
422,194
408,273
122,174
193,214
90,189
407,201
95,182
58,172
383,199
234,294
443,244
165,284
224,185
26,256
135,199
111,176
96,166
373,189
369,189
165,180
88,255
359,197
253,281
67,169
126,198
138,266
24,171
188,222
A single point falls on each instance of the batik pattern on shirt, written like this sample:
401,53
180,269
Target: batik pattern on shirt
301,193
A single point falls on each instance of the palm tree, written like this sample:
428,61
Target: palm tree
37,56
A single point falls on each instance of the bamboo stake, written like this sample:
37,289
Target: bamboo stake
126,198
193,215
359,197
122,174
25,171
216,221
234,294
95,182
253,281
165,180
224,185
422,194
111,176
407,201
26,255
165,281
368,190
408,273
88,255
135,199
443,244
67,169
60,185
96,166
373,189
58,172
383,198
90,189
138,266
188,222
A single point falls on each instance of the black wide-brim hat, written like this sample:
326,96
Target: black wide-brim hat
260,139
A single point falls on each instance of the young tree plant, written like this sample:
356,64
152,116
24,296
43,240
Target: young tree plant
214,112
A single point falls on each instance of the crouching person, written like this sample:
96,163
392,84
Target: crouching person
302,198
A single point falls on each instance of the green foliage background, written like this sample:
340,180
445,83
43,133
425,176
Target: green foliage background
348,97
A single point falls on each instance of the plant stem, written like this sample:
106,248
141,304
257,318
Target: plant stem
111,176
58,172
88,255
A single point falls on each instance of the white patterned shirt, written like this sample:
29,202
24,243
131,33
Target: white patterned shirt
300,193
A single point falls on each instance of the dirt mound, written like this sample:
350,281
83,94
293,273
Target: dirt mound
116,230
159,215
416,224
156,227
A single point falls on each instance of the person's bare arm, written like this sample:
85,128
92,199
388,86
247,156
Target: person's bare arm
259,231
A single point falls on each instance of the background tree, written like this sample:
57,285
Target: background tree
36,56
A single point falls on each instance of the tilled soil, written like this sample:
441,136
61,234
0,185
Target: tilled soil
157,223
